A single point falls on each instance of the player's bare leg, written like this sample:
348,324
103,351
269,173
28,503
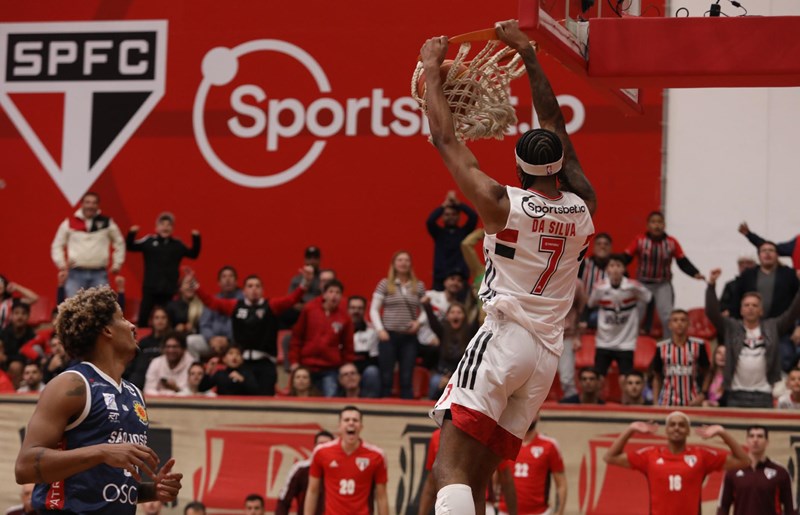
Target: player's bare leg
462,460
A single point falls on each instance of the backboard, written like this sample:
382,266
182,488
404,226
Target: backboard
623,45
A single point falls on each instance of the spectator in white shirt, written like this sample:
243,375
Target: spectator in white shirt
168,374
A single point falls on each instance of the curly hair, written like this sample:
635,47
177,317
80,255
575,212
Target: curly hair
82,317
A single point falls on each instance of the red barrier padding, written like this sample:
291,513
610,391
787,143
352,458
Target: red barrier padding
751,51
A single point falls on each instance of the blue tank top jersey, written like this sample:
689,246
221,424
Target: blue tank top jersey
113,414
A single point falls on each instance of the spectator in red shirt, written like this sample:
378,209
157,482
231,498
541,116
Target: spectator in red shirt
349,470
256,325
322,338
655,250
297,483
675,472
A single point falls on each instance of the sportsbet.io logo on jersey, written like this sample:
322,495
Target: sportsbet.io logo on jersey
108,76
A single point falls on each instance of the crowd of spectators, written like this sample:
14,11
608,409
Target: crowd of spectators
407,340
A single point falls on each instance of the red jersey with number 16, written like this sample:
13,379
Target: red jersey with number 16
531,265
348,479
675,480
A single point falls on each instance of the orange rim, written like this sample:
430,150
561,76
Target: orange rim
478,35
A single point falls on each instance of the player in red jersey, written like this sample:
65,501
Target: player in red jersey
675,472
349,469
538,459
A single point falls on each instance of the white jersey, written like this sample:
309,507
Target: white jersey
531,265
618,315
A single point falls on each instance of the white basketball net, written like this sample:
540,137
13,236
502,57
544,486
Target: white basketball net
478,97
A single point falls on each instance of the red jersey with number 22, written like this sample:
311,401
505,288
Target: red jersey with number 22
675,480
535,463
348,479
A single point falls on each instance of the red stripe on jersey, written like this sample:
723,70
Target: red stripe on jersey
508,235
680,388
655,257
540,194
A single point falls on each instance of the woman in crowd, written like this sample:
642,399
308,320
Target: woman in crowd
196,382
396,314
300,384
454,334
715,394
149,346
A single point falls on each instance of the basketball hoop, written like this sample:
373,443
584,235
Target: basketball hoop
477,90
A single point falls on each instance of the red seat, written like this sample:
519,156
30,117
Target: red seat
657,330
700,326
283,333
41,312
420,383
643,355
131,310
585,356
611,389
143,332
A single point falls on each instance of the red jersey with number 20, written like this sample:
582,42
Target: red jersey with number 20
675,480
348,479
531,265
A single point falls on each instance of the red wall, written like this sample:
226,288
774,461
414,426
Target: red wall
366,195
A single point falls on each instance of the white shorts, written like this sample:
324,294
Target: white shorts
499,385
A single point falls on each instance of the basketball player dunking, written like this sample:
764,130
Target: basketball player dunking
536,236
86,443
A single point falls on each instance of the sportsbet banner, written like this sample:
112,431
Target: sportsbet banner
228,449
268,126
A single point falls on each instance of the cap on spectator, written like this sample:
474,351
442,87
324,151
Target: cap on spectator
313,252
166,215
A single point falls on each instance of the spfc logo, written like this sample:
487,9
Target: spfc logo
690,460
362,464
537,451
770,473
77,91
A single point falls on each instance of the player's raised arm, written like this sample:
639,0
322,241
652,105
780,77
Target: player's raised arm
615,455
548,111
486,194
738,458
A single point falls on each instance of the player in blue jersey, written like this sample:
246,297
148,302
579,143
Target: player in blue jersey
86,443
